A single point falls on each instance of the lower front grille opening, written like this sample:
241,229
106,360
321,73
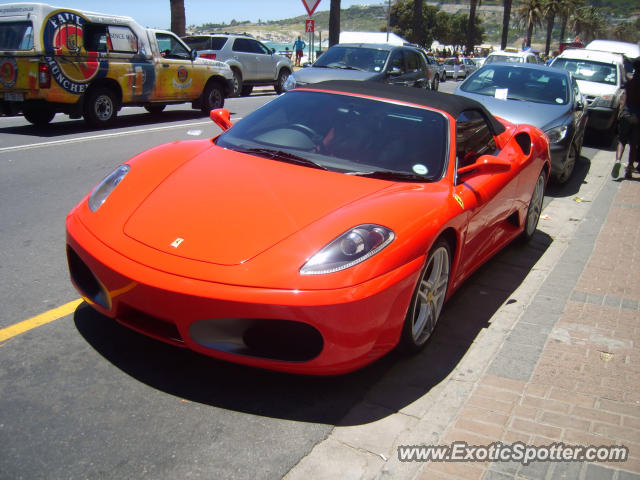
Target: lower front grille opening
86,281
150,325
273,339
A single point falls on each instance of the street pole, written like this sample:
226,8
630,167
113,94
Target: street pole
388,19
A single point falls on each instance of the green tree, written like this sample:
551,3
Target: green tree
506,17
530,16
178,20
402,19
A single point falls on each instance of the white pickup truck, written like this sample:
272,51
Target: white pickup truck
88,64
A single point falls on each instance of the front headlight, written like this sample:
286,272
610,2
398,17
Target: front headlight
289,83
557,134
349,249
100,193
606,101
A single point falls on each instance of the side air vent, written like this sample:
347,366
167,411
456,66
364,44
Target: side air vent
524,140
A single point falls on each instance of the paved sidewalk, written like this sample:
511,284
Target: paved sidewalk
559,362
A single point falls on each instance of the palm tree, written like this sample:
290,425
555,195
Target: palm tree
417,22
506,16
334,22
550,8
473,4
178,21
567,9
530,15
589,22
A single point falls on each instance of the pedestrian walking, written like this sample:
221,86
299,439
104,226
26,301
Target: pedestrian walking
298,47
456,66
629,125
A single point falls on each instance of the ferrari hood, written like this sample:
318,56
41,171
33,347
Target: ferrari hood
226,207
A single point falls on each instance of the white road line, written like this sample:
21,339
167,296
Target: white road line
104,135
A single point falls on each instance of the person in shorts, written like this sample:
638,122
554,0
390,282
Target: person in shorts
629,121
298,47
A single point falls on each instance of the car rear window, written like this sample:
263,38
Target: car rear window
205,42
503,58
16,36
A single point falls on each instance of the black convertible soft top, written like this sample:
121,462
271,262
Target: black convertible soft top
447,102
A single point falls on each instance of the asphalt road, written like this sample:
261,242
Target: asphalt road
82,397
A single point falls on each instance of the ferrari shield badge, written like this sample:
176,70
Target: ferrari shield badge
176,243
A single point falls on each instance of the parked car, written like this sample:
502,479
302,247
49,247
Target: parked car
92,64
513,57
315,235
253,63
547,98
442,73
435,70
466,67
600,76
399,65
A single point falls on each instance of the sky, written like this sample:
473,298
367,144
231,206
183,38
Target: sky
156,13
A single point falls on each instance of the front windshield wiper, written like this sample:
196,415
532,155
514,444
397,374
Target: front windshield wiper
391,175
283,156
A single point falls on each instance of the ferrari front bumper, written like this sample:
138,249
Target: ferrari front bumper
320,332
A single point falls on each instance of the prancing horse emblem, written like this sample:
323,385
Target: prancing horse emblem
176,243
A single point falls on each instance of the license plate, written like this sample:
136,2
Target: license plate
14,97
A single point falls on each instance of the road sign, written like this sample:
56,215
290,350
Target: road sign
309,26
310,5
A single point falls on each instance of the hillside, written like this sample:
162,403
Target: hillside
373,18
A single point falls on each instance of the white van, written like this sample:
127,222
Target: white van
630,51
600,77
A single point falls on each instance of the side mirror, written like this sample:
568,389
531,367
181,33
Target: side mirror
485,162
194,55
222,118
273,50
395,71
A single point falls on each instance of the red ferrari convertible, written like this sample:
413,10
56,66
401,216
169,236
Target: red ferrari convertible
315,235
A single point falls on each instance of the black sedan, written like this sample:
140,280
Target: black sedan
548,98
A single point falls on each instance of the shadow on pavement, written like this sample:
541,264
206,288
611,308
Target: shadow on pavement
572,186
327,400
69,126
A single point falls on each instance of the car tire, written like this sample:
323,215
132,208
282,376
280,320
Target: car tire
282,77
212,97
38,116
154,109
237,83
100,107
435,85
535,208
569,165
428,298
246,90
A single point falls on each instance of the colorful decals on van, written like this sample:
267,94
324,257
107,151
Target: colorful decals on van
183,80
72,66
8,72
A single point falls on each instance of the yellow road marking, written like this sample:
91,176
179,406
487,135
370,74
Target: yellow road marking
42,319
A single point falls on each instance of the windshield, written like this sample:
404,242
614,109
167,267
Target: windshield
347,134
503,58
359,58
513,83
588,70
16,36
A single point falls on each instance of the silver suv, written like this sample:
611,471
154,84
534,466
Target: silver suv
252,63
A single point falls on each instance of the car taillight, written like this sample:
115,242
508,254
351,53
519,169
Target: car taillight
210,56
44,75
